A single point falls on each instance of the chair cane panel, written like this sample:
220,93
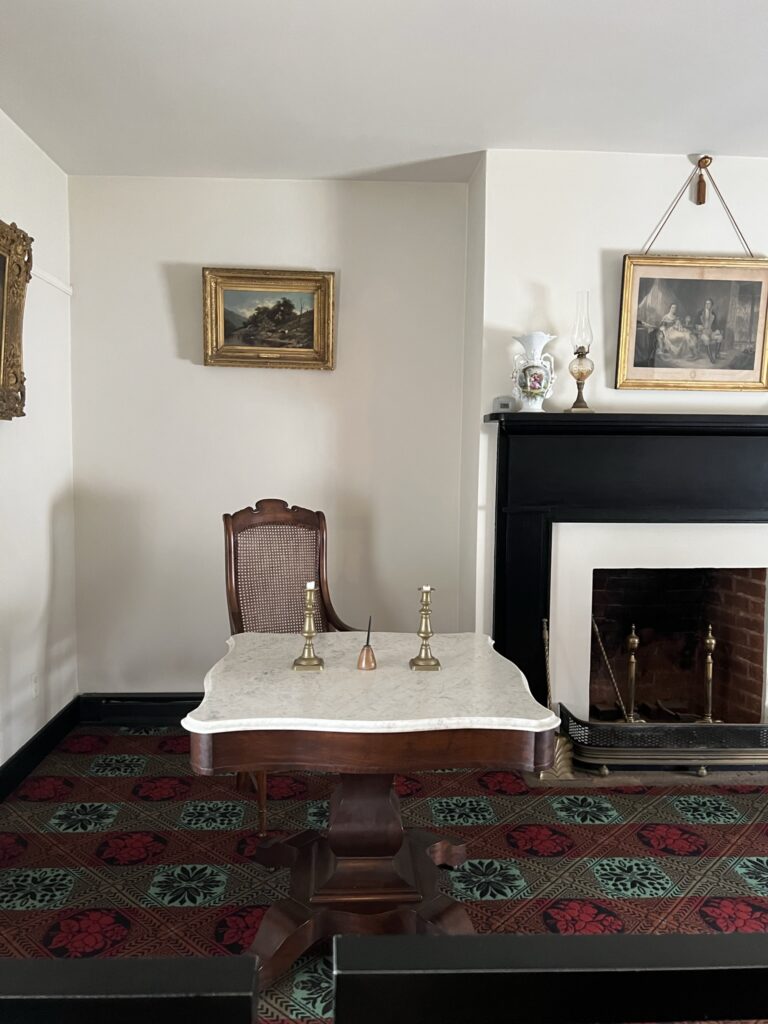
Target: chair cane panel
273,563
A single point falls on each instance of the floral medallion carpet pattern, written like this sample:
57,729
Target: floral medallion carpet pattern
114,848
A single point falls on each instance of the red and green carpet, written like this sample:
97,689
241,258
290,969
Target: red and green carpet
114,848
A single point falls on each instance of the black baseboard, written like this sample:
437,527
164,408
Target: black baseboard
94,709
137,708
187,990
27,758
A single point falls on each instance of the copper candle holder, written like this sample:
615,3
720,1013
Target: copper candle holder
425,660
367,660
308,661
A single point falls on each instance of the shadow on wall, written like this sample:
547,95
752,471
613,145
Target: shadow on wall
110,562
350,564
611,265
38,669
184,284
151,604
59,669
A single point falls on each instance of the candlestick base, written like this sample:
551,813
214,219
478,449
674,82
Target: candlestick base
312,664
425,664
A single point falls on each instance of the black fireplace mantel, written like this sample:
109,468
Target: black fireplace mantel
603,468
635,424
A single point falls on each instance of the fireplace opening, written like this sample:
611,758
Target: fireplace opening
671,611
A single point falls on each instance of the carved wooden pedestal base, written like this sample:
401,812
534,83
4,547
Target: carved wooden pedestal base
366,876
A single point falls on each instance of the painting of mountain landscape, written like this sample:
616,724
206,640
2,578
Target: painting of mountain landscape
266,319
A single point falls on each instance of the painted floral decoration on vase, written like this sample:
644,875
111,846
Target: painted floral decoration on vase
534,375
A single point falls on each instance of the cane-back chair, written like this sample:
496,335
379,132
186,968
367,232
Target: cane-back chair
271,552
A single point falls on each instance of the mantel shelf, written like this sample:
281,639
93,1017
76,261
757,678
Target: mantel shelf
629,424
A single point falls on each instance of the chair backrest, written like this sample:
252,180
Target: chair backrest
271,552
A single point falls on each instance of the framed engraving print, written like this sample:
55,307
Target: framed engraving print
275,318
694,322
15,271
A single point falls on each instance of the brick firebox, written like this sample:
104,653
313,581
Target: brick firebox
671,609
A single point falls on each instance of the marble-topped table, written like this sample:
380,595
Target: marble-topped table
367,874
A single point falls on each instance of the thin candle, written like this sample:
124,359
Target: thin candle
368,637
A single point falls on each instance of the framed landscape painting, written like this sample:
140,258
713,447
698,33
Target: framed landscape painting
694,322
274,318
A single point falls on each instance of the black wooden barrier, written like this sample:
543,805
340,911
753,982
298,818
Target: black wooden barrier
186,990
550,979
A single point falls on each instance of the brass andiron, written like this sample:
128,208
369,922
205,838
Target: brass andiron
308,661
367,660
424,660
709,646
633,642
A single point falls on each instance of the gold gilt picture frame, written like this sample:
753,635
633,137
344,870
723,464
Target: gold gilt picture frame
694,323
281,319
15,272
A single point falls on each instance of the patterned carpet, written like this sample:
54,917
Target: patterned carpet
113,848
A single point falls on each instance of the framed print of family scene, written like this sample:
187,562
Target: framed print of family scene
274,318
15,272
692,322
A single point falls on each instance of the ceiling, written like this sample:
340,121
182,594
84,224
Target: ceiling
377,88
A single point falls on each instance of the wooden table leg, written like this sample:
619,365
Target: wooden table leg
368,875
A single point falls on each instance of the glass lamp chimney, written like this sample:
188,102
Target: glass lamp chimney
582,329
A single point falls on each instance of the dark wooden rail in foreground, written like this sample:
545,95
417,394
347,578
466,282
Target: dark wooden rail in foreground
186,990
533,979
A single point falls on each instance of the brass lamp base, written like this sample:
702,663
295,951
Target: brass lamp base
580,369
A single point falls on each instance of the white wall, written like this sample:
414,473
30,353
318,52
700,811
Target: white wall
37,608
471,411
164,445
557,222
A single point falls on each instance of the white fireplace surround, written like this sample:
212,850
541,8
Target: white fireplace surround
579,548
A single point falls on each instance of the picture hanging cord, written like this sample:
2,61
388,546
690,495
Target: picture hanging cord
701,168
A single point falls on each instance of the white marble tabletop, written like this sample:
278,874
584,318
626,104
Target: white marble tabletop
254,687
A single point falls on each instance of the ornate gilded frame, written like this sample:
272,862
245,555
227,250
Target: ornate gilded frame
702,268
319,283
15,272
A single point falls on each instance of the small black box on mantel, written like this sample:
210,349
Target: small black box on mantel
549,979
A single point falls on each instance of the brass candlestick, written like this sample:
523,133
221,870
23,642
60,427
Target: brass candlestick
633,642
709,646
308,661
424,660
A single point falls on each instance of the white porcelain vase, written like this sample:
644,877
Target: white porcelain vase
534,375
